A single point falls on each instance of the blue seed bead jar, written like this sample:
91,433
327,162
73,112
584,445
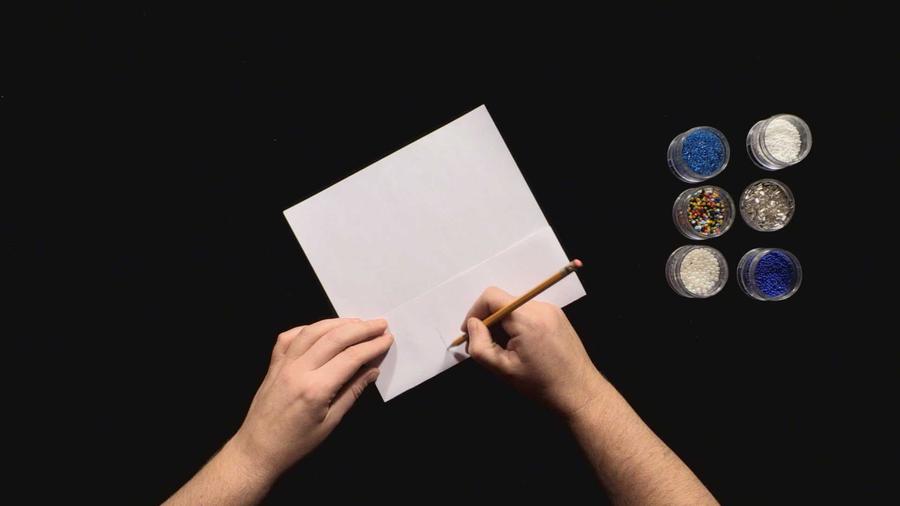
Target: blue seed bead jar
769,274
698,154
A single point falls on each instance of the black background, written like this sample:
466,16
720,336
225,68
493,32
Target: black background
150,153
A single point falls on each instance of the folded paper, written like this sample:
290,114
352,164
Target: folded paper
415,237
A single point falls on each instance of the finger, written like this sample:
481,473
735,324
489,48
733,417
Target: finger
341,368
483,349
284,341
311,333
340,338
489,302
350,392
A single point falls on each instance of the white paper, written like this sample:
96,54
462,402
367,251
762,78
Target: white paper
418,235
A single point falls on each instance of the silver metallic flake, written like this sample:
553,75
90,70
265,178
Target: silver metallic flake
767,205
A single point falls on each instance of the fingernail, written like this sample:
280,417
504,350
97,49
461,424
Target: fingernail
470,325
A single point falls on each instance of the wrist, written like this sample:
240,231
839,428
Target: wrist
594,390
247,465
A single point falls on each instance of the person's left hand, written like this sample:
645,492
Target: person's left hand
316,374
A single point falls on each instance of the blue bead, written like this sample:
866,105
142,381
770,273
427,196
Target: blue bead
703,151
775,274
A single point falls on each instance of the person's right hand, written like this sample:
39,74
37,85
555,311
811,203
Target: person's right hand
544,357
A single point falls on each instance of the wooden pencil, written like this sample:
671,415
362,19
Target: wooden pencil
512,306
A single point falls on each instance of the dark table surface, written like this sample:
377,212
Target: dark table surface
150,155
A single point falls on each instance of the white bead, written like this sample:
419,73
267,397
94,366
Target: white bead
699,271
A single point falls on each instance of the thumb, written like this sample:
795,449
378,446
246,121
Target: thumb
348,395
482,347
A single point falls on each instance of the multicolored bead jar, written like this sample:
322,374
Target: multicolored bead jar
703,212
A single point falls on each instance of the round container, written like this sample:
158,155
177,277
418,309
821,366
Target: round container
767,205
778,142
696,272
698,154
703,212
769,274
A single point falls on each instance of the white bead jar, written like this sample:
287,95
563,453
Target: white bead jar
696,272
778,142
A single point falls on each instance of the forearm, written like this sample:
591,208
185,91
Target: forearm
632,463
229,478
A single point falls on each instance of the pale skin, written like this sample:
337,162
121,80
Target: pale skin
545,359
316,374
318,371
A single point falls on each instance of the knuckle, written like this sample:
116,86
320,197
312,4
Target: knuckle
356,325
354,354
338,323
543,308
336,339
544,314
492,291
285,336
311,392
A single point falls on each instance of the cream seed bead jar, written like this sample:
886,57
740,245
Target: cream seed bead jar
778,142
696,272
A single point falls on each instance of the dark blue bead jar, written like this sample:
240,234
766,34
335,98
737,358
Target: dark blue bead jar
769,274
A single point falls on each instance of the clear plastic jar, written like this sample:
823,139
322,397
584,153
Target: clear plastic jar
696,272
769,274
778,142
698,154
767,205
703,212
